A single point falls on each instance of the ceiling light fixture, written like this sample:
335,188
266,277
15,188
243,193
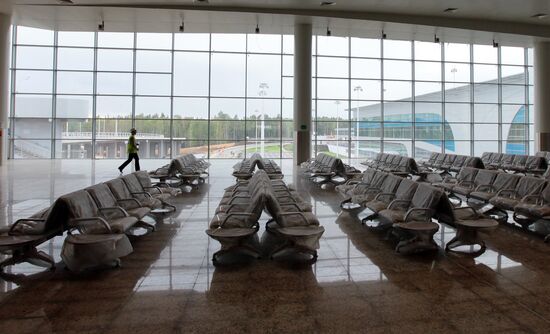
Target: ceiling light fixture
383,35
495,44
257,30
539,16
450,10
182,26
101,26
66,2
436,39
329,33
328,3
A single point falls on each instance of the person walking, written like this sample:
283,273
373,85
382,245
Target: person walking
132,151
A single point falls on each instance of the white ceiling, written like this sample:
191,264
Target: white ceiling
478,21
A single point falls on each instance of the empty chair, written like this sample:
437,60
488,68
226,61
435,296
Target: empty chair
107,201
404,191
496,159
507,199
237,231
20,239
483,177
466,174
145,181
298,231
121,191
502,181
458,163
388,185
486,157
366,178
533,207
137,190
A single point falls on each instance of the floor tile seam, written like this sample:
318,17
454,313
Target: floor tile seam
509,297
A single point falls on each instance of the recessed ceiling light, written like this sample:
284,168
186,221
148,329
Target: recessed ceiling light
328,3
540,16
70,2
450,10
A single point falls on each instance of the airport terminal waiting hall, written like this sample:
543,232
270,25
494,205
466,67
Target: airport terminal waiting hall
302,167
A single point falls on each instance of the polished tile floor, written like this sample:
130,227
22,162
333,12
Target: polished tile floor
359,284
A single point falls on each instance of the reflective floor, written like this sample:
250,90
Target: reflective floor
359,284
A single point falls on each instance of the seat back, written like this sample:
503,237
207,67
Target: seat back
79,204
440,159
496,158
390,183
484,177
529,185
486,157
433,157
102,195
507,159
119,188
534,162
132,183
505,181
143,178
545,194
519,161
467,174
459,161
449,159
426,196
406,189
377,179
368,174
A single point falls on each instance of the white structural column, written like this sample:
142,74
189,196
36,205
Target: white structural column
542,96
302,93
5,22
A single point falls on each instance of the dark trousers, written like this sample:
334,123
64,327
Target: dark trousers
130,157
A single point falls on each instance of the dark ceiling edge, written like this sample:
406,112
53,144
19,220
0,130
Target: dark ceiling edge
494,26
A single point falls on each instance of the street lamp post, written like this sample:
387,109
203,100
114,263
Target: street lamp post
261,93
357,90
337,126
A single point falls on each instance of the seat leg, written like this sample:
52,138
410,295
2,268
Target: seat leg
32,256
465,237
421,241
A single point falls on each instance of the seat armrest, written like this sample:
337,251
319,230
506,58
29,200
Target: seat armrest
380,196
128,205
24,220
511,193
533,199
396,203
464,183
486,188
468,208
83,223
411,213
143,193
159,191
114,209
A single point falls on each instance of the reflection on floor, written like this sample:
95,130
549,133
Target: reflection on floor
358,284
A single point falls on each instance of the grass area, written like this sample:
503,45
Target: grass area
271,148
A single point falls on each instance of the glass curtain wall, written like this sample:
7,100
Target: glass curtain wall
413,98
76,95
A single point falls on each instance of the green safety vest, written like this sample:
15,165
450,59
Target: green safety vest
132,148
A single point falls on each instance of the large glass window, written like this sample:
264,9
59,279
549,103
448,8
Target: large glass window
230,95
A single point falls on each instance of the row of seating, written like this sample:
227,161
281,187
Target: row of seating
292,225
325,168
245,168
393,163
517,163
96,219
186,170
526,196
408,207
447,163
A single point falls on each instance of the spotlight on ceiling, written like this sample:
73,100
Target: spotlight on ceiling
328,3
436,39
495,44
101,26
182,26
329,33
257,30
539,16
450,10
65,2
200,1
383,35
